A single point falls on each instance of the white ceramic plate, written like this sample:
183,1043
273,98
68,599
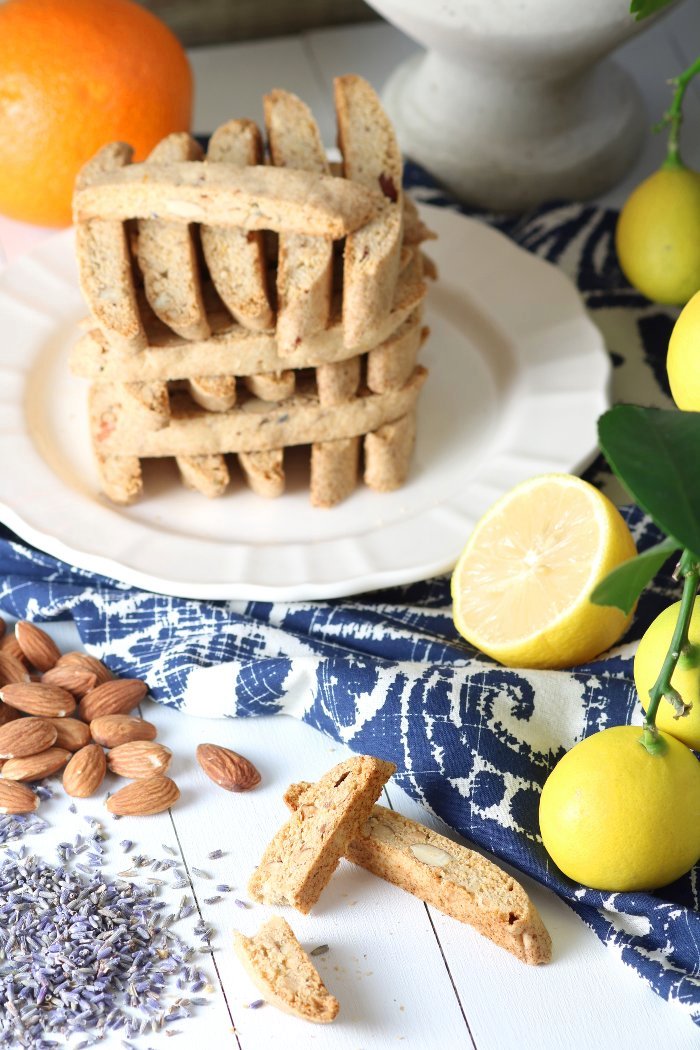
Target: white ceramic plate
518,377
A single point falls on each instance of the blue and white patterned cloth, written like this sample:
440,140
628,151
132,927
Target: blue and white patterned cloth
386,674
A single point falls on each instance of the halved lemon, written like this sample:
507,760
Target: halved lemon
521,588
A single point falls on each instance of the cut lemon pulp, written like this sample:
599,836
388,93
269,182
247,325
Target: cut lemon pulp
521,588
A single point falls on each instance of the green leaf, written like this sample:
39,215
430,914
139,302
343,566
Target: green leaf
644,8
655,453
623,585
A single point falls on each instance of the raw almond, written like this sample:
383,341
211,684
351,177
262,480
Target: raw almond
9,646
16,798
3,627
8,714
139,759
87,663
143,797
35,698
26,736
36,767
85,772
227,768
76,679
115,697
38,647
113,730
11,669
70,733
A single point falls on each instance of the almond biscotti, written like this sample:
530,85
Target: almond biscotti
453,878
281,969
302,856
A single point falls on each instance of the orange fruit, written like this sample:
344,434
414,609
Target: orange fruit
75,74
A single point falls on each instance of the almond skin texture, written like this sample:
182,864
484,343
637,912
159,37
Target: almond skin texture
86,662
226,768
8,714
35,698
76,680
70,733
9,646
144,797
139,759
113,730
117,697
38,647
3,627
85,772
16,798
36,767
26,736
11,669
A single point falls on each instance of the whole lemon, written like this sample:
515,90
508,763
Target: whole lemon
614,817
685,679
683,360
658,236
74,75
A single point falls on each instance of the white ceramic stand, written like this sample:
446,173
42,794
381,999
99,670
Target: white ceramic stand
514,104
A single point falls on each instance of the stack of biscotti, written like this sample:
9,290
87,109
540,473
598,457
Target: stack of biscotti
247,301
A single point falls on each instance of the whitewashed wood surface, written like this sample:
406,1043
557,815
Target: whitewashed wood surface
405,974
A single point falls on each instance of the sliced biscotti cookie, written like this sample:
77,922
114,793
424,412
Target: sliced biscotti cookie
104,262
371,157
264,472
236,257
305,264
207,475
301,858
453,878
256,198
390,364
388,452
278,965
167,255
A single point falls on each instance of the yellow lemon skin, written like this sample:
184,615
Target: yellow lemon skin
614,817
686,678
658,236
683,359
521,587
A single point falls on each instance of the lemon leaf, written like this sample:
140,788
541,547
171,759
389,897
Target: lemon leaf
654,452
644,8
624,584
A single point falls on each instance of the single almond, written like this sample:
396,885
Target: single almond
26,736
8,714
36,698
16,798
38,647
85,771
116,697
76,679
12,669
227,768
143,797
9,646
36,767
87,663
138,759
70,733
113,730
3,627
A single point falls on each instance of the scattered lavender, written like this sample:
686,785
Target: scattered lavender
321,950
216,854
223,888
126,845
82,954
256,1004
16,827
200,874
170,850
242,904
212,900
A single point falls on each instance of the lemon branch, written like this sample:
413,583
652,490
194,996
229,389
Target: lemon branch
673,117
689,569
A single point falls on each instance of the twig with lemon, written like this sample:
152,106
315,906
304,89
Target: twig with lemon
550,579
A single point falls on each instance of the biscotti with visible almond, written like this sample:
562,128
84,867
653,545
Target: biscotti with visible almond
302,856
281,969
451,877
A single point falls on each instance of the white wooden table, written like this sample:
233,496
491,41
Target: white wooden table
404,973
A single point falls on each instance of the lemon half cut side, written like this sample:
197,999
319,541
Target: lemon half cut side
521,588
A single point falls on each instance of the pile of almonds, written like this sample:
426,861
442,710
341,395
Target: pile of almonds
62,712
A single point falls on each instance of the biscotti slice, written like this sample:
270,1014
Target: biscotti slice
255,198
272,386
149,401
207,475
167,256
305,264
120,477
278,965
215,393
301,858
388,452
414,229
264,472
453,878
235,257
391,363
372,158
104,262
334,466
